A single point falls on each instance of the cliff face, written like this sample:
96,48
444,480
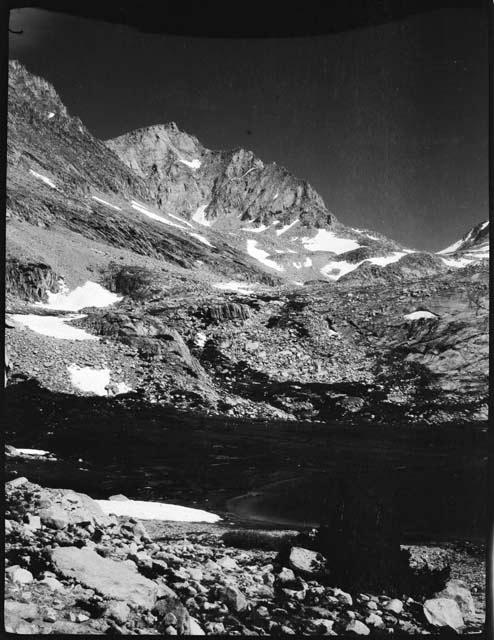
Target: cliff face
184,176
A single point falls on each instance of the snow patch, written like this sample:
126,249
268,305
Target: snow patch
90,294
297,265
192,164
89,380
50,115
156,511
456,263
54,326
255,229
108,204
202,239
181,220
44,179
325,240
261,255
417,315
200,216
384,260
33,452
308,262
286,228
334,270
241,287
154,216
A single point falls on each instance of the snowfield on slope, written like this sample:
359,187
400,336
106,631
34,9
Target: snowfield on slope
156,511
90,294
261,255
418,315
54,326
154,216
200,216
105,202
43,178
202,239
240,287
334,270
90,380
325,240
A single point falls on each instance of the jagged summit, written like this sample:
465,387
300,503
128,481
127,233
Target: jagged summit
473,247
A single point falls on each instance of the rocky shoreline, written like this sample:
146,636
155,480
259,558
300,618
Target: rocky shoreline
73,569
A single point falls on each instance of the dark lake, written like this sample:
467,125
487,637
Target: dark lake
276,474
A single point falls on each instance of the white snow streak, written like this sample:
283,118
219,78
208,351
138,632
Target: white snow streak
142,209
261,255
181,220
202,239
417,315
156,511
308,262
109,204
286,228
456,263
89,294
54,326
200,216
241,287
384,260
46,180
192,164
255,229
325,240
33,452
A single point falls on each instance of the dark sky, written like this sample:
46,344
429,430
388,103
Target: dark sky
388,123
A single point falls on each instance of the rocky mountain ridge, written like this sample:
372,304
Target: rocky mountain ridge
206,254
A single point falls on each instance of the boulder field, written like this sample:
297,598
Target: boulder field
71,569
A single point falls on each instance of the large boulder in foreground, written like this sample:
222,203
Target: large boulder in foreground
114,580
443,612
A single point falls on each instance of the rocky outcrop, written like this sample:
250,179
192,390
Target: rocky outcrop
184,176
30,281
121,578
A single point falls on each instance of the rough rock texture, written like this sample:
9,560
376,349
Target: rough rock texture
111,579
107,581
233,183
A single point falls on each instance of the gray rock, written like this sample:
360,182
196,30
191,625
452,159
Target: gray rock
32,522
54,517
306,562
170,606
458,591
118,611
394,605
119,497
16,482
374,620
195,628
286,578
233,598
24,610
358,628
114,580
227,563
53,584
443,612
19,575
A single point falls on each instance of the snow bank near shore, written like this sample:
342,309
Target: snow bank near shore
54,326
90,294
156,511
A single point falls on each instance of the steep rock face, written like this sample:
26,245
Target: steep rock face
29,281
184,177
59,175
